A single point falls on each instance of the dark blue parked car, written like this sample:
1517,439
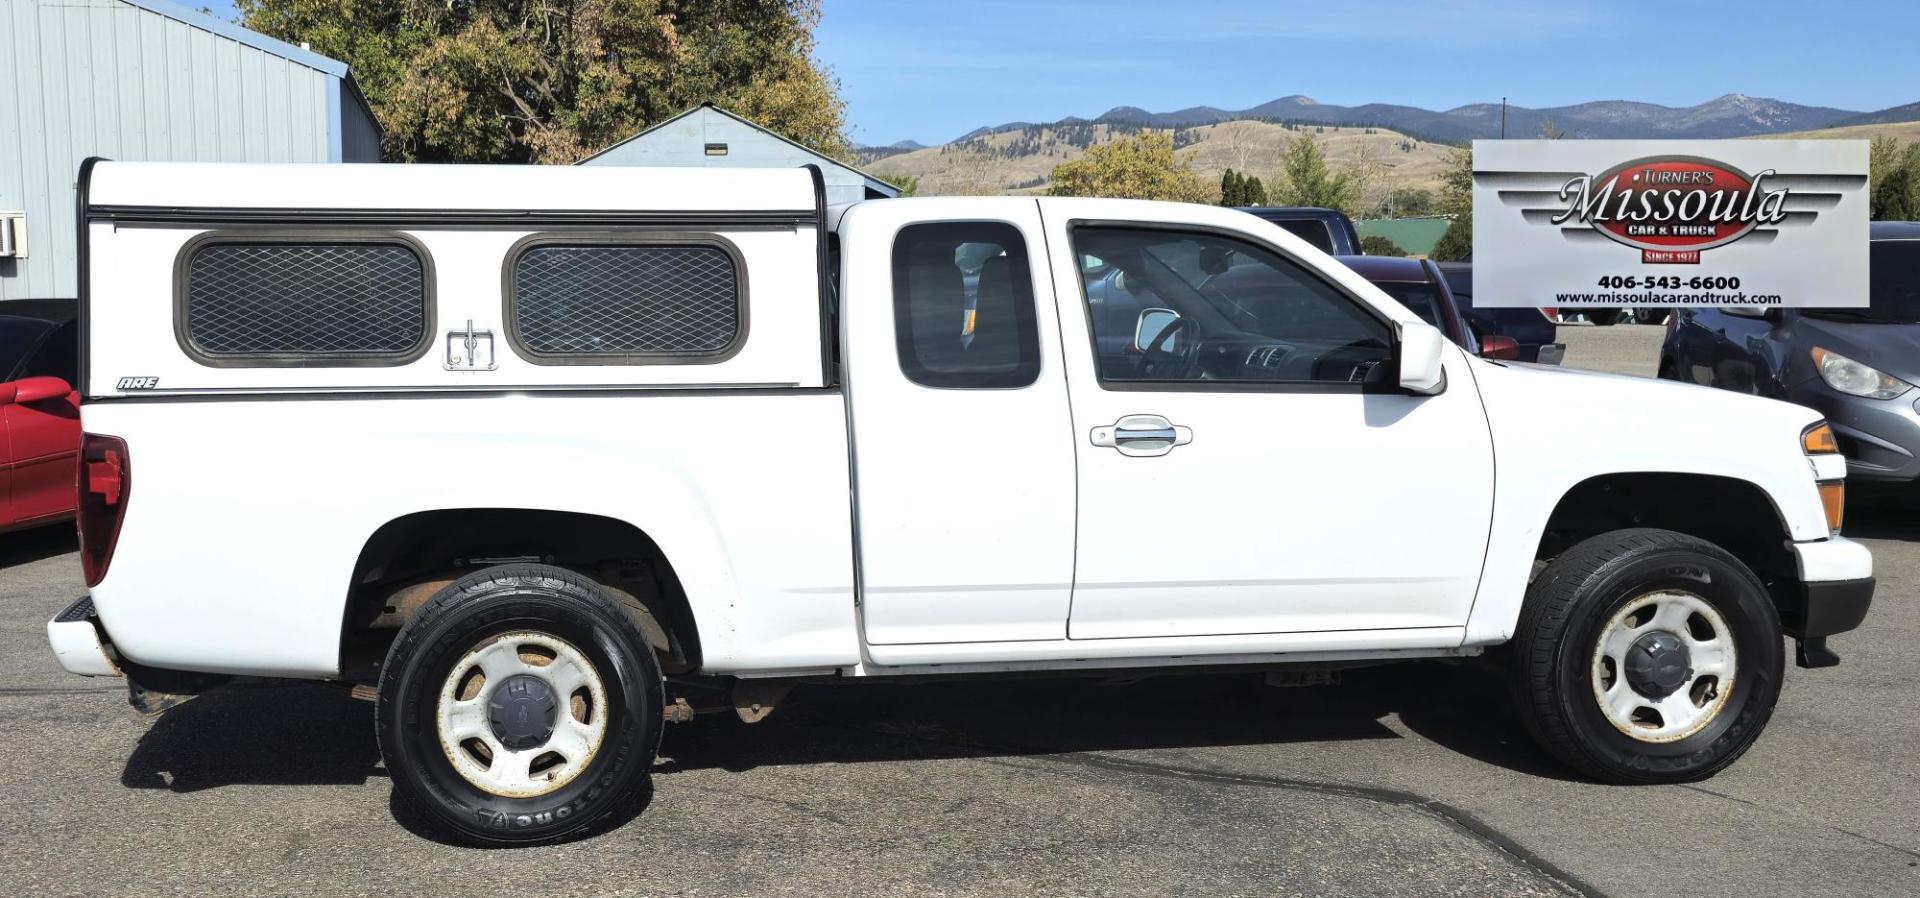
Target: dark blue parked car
1856,366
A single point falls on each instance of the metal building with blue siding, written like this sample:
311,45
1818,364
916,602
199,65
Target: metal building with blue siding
147,80
710,137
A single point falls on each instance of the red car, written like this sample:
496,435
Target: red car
1419,285
39,412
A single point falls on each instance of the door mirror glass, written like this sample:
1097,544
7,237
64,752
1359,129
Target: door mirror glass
1153,323
1421,349
36,389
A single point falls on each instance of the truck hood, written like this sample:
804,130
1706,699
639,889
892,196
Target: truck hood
1586,407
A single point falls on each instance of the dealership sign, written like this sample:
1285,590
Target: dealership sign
1611,223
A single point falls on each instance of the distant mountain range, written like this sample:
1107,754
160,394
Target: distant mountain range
1908,113
1733,115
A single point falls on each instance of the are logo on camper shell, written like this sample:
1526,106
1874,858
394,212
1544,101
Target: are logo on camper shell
1672,204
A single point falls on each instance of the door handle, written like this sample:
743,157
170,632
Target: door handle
1142,436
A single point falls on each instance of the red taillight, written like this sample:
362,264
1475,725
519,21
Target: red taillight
106,477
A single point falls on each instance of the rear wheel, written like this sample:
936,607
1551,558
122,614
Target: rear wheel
1647,656
520,705
1602,317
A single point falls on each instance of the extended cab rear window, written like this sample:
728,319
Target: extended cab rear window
266,300
1313,232
651,300
963,311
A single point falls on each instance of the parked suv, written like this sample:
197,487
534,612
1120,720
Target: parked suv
1327,230
541,458
1419,285
1536,334
1856,366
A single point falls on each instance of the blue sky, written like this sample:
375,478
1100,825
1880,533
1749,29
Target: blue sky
931,71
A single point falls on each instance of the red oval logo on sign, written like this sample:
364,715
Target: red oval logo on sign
1672,203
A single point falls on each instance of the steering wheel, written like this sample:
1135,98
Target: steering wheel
1360,369
1157,361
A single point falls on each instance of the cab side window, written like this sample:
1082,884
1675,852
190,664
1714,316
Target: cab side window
1189,307
963,306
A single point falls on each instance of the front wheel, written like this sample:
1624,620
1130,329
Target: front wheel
1647,656
520,705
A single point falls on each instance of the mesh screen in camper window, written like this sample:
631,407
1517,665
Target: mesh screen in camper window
251,302
625,302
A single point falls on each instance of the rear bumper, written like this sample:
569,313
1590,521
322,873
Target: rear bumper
1835,589
77,641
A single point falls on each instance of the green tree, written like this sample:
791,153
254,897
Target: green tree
1893,199
1230,189
1456,183
1253,193
908,184
1408,201
1894,176
1376,245
1305,179
1456,199
1456,245
1140,167
554,81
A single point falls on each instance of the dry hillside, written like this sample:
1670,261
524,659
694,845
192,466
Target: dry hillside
1018,161
1904,131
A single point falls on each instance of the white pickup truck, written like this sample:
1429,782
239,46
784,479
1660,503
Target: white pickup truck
516,452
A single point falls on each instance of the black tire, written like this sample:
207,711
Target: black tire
1602,317
1651,316
545,600
1569,606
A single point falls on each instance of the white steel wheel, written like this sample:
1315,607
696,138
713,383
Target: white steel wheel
1664,666
522,714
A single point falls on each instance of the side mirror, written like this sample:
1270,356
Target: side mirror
36,389
1151,324
1499,346
1421,348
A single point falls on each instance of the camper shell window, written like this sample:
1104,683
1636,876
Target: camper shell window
627,300
310,299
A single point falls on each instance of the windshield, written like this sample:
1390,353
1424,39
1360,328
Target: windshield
1894,296
17,335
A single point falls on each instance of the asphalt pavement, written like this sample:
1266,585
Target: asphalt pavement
1405,780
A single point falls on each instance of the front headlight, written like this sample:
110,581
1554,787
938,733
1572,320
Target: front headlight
1854,378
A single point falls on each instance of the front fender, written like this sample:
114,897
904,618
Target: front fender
1554,429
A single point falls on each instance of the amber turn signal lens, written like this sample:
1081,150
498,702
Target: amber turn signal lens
1818,440
1833,497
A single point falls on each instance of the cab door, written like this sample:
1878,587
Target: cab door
1246,461
962,456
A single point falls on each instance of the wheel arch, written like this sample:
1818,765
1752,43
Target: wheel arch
409,558
1735,514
